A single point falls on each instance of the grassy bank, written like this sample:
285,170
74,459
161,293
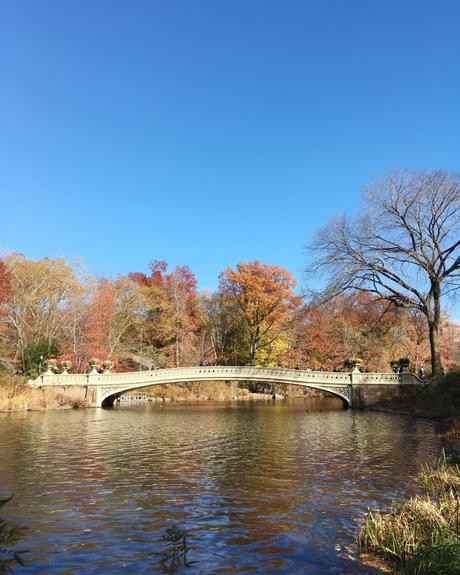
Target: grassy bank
421,536
16,395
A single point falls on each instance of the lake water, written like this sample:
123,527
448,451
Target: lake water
256,487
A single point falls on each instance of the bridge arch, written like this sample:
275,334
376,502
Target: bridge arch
336,384
110,399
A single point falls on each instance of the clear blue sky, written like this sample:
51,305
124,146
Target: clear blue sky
211,132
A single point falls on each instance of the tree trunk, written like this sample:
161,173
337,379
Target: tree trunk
434,324
253,345
177,348
436,365
252,351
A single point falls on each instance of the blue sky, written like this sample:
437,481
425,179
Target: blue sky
211,132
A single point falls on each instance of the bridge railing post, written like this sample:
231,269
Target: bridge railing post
46,378
92,380
406,378
355,377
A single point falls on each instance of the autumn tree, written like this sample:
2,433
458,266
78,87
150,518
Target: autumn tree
264,295
74,341
5,282
155,333
113,312
5,294
357,325
183,310
223,327
171,319
33,312
404,247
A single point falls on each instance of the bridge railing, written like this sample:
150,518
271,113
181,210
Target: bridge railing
238,373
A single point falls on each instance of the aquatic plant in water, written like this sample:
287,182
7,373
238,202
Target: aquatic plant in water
175,553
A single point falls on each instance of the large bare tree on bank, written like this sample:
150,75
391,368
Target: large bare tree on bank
403,247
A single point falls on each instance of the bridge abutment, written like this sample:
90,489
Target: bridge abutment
366,396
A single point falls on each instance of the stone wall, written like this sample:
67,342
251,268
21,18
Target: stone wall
369,395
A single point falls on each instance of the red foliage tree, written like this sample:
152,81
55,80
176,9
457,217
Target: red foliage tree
172,318
101,310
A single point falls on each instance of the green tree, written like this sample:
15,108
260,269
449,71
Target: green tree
36,354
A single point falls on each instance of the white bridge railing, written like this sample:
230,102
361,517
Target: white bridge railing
226,373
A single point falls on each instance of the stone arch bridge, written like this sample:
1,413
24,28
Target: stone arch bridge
353,388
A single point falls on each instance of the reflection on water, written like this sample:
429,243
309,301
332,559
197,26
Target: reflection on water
256,487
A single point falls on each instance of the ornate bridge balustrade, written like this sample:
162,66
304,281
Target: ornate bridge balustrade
101,389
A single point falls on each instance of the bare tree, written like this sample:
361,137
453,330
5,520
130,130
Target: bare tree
404,246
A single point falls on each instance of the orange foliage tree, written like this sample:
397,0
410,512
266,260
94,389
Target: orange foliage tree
358,325
264,294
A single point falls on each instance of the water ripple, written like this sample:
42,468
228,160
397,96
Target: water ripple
268,488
